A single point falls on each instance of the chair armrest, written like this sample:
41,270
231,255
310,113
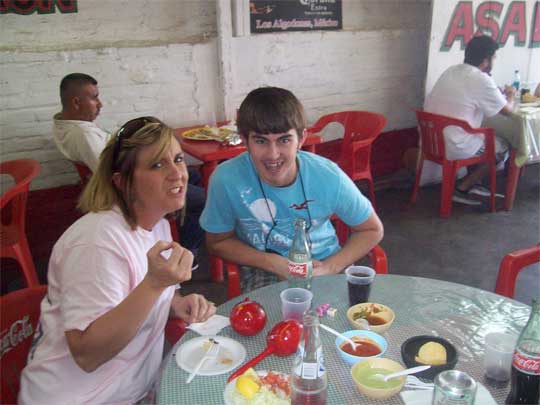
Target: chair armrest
233,283
174,330
379,260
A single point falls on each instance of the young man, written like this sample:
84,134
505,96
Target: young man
80,140
254,199
468,92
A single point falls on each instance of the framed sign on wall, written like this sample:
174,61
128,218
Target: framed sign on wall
294,15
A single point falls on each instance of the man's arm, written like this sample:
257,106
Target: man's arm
363,238
508,92
230,248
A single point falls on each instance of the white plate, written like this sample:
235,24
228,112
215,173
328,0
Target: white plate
231,354
423,397
231,387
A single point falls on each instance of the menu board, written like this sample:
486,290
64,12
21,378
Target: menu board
294,15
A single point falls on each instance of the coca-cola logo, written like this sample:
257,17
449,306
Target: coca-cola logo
17,332
529,365
298,269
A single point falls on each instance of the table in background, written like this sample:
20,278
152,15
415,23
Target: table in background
522,131
211,153
461,314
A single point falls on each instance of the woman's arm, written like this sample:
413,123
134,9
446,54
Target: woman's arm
105,337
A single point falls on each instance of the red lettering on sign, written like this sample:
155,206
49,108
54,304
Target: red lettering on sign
484,18
535,27
461,26
515,24
298,269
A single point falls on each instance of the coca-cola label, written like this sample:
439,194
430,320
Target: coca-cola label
17,332
527,364
298,269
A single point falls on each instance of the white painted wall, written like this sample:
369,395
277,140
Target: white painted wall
162,57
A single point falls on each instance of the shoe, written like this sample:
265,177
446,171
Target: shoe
461,197
482,191
195,264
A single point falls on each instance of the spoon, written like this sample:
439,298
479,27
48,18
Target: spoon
335,332
407,371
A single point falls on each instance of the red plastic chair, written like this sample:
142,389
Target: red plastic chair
20,315
84,172
433,148
13,212
511,265
377,256
353,152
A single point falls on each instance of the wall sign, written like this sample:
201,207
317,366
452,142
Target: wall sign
25,7
294,15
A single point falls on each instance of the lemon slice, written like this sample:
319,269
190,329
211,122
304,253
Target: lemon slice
246,386
431,353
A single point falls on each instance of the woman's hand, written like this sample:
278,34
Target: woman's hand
164,272
192,308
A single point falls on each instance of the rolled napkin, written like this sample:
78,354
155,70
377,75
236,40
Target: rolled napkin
423,396
212,326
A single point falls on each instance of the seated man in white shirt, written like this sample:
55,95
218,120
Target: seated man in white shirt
468,92
81,140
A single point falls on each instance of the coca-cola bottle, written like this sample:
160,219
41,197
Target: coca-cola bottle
308,379
300,264
526,362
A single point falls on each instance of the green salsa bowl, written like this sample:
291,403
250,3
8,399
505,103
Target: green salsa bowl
363,376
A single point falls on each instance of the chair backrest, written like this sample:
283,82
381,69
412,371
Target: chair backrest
360,130
431,128
23,172
20,315
511,265
84,172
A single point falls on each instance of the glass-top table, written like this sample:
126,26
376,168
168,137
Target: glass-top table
461,314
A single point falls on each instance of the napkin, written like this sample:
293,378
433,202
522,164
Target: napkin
212,326
423,397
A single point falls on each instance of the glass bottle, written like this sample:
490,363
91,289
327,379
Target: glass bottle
525,387
308,380
300,263
517,80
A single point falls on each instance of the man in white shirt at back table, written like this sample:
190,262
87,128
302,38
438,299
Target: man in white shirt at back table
80,140
468,92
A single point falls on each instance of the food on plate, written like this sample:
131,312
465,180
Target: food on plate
365,347
248,317
529,98
374,314
225,356
208,134
253,389
432,353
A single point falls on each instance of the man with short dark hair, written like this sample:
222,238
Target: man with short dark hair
80,140
74,131
254,199
468,92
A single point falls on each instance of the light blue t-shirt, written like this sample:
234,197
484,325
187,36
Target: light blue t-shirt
236,202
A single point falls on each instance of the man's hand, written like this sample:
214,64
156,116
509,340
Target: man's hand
193,308
166,272
509,92
323,268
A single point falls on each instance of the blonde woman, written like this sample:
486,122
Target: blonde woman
112,277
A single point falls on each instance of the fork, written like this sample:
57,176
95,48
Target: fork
210,354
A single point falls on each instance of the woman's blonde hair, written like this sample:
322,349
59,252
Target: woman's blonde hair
120,156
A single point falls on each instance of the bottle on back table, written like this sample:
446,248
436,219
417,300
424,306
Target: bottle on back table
308,378
517,80
300,264
525,378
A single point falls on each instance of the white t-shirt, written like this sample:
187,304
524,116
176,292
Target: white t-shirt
463,92
80,141
96,263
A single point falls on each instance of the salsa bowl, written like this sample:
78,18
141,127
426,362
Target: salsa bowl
362,375
368,339
379,316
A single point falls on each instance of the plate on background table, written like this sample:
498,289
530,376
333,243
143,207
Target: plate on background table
233,397
231,354
208,134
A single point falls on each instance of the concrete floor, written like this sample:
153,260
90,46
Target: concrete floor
467,248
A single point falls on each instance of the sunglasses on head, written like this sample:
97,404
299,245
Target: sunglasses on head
127,130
